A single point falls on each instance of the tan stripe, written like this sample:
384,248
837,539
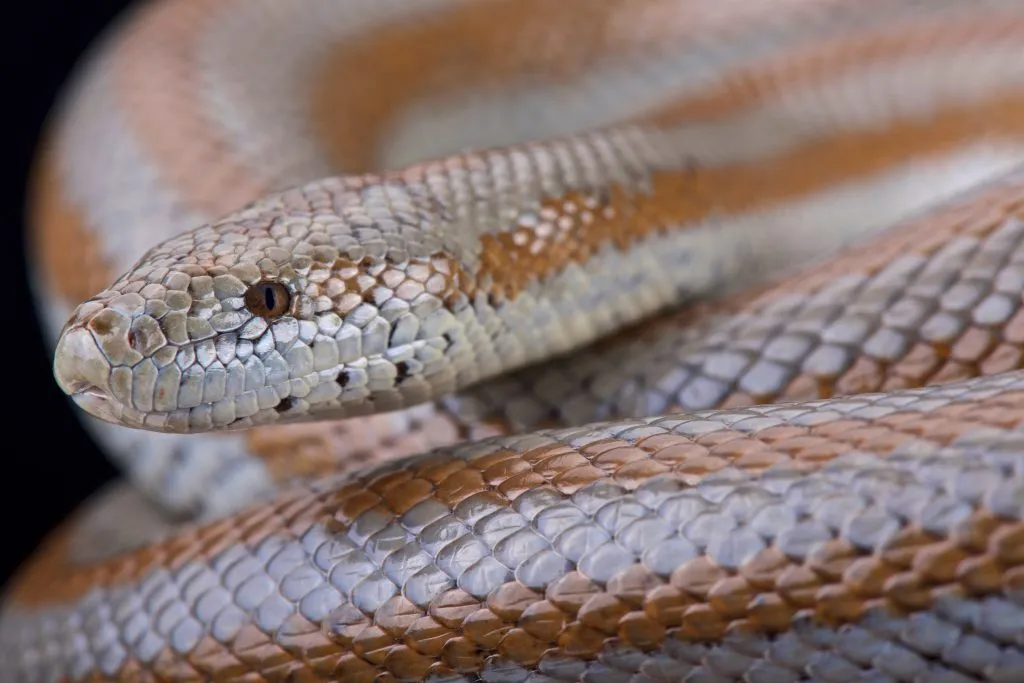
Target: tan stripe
826,62
700,601
367,80
65,247
49,578
574,233
989,351
157,80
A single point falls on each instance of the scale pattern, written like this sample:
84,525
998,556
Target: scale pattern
935,301
553,467
878,534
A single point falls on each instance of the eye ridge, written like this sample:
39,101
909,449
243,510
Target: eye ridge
268,299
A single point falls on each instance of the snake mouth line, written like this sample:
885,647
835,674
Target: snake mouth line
95,402
90,390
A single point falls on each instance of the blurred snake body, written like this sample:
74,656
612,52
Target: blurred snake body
528,341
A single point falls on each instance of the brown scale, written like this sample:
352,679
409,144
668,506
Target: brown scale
687,197
908,575
568,229
924,362
700,601
978,350
697,196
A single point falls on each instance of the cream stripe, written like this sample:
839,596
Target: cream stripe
272,599
804,327
862,98
368,555
202,475
257,64
121,193
726,252
620,88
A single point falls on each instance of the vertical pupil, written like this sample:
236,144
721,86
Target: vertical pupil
268,297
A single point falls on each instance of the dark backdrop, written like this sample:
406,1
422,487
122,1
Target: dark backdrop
49,464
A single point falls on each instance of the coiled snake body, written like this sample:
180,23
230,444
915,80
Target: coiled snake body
407,378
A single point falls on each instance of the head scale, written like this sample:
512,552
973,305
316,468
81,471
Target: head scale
279,313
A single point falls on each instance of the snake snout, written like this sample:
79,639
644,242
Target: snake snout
83,372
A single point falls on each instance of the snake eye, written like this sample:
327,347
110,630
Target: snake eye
267,299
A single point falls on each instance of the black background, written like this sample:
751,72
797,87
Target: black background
48,465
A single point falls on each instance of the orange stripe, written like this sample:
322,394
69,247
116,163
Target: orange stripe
364,82
511,260
157,82
980,351
51,577
367,80
64,246
699,602
820,63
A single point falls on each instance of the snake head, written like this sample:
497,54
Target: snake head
317,303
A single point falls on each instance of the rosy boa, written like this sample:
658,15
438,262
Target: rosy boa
816,472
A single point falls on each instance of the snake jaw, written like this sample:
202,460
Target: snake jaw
96,403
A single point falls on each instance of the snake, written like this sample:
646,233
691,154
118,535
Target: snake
523,341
